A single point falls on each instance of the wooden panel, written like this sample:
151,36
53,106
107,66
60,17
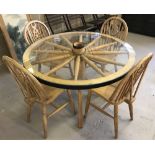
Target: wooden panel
7,38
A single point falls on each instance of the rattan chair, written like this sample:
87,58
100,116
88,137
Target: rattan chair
123,91
35,30
34,91
116,27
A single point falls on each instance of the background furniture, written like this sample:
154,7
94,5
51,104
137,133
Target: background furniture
116,27
77,23
57,23
34,91
34,31
123,91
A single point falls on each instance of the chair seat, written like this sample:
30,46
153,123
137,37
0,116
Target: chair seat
104,92
52,93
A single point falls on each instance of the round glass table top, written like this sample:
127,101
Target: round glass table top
79,60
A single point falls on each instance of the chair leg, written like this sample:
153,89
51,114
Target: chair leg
29,110
131,110
71,101
88,103
116,120
80,114
44,119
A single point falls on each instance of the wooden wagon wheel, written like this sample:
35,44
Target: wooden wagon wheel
80,49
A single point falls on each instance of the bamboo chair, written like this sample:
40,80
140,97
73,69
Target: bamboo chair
34,91
124,91
35,30
116,27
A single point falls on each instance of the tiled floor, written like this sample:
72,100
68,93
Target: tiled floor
13,123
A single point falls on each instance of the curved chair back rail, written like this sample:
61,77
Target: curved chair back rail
35,30
116,27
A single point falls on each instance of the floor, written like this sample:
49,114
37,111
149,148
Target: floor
13,123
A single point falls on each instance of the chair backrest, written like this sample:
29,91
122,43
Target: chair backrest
57,23
76,22
128,87
35,30
116,27
29,85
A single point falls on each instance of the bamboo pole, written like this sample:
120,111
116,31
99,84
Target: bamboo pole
98,58
58,46
92,64
60,65
101,46
81,38
67,41
54,58
52,51
107,52
57,110
77,67
93,42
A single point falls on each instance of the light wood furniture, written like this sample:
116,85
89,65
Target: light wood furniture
34,91
116,27
123,91
79,49
35,30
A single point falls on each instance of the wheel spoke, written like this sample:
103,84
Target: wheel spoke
52,51
107,52
77,67
93,65
58,46
81,38
101,46
60,65
54,58
67,41
104,60
93,42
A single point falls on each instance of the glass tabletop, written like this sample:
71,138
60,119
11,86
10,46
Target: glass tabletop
79,60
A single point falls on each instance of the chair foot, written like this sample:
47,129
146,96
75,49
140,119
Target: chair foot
131,111
116,135
29,110
116,121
